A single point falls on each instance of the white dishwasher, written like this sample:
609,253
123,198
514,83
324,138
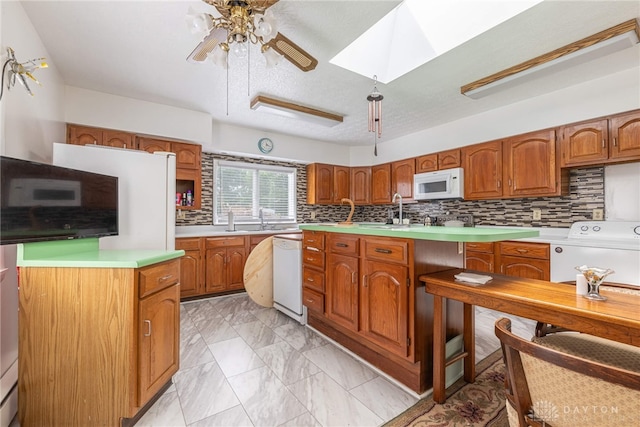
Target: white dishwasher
287,276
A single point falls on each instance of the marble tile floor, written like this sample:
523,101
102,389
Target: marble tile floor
246,365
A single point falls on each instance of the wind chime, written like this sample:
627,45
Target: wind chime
375,114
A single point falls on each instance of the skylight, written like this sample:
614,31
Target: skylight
417,31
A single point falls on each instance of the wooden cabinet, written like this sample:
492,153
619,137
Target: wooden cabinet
191,273
224,264
360,183
327,184
522,166
524,259
530,167
114,344
607,140
313,273
480,256
190,180
84,135
381,184
402,173
341,299
483,170
439,161
187,155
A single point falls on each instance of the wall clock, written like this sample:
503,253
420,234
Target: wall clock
265,145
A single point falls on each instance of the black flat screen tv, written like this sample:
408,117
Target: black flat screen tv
42,202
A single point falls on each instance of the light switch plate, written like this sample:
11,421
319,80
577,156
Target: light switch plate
537,214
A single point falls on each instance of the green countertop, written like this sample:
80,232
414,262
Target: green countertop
442,234
86,253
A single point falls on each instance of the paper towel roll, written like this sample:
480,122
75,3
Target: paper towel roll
581,284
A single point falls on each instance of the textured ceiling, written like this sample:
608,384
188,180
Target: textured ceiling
138,49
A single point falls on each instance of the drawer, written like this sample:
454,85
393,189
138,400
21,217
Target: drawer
257,238
313,279
313,300
480,246
313,257
525,249
396,250
221,242
343,244
188,244
313,239
158,276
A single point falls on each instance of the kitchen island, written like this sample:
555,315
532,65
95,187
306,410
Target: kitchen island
361,289
98,332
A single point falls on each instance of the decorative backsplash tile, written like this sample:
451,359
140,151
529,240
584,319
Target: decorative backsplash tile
586,192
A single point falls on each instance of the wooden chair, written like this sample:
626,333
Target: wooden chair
570,379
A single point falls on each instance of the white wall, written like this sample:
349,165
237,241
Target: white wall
622,192
28,126
611,94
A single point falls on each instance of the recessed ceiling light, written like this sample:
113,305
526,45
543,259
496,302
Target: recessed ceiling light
417,31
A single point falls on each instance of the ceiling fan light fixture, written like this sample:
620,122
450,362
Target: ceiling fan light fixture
198,23
271,57
220,55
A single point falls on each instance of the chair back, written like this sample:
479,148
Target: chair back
548,387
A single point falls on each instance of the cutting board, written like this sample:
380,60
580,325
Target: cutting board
258,273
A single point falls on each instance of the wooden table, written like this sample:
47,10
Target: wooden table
617,318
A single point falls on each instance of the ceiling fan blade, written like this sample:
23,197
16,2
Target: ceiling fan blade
294,53
208,44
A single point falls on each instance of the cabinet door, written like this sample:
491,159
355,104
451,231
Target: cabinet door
152,145
402,178
236,258
117,139
480,261
381,184
530,165
427,163
525,267
483,170
360,183
215,274
384,306
584,143
341,180
449,159
83,135
319,184
625,135
189,267
159,341
187,155
341,302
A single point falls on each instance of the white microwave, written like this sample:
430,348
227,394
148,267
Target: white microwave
444,184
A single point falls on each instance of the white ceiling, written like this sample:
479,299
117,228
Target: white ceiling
138,49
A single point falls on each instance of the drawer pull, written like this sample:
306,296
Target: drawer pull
313,249
148,322
165,278
309,279
310,259
522,251
383,251
342,245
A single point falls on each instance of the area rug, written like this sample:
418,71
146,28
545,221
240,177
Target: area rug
478,404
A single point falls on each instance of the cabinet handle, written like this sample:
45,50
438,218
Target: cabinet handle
522,251
309,279
490,267
364,280
309,259
383,251
353,277
509,182
499,183
502,268
615,142
148,322
342,245
603,144
165,278
313,249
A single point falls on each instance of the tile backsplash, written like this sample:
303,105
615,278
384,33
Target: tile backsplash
586,192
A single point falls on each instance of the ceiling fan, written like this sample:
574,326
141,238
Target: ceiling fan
242,22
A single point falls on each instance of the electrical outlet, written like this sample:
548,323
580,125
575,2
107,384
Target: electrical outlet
181,214
537,214
597,215
313,214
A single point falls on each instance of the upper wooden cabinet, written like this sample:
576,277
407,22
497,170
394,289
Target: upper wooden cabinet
438,161
187,155
84,135
361,185
381,184
529,166
608,140
402,173
152,145
327,184
483,170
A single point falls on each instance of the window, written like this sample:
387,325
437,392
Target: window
245,188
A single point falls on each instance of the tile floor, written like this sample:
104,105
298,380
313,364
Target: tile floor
246,365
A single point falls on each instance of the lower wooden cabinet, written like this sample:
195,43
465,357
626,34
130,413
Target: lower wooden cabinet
191,273
101,344
520,259
342,300
480,256
224,264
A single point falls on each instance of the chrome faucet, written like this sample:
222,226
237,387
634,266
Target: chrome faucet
393,200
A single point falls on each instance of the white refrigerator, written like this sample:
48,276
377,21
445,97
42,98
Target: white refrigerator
146,192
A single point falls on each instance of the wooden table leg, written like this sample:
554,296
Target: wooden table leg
469,339
439,347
